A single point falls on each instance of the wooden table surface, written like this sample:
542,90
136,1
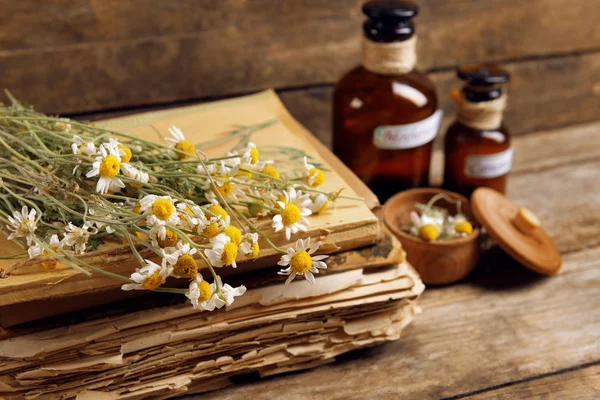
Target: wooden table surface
504,332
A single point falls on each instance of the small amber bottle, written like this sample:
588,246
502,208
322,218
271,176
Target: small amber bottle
477,145
385,113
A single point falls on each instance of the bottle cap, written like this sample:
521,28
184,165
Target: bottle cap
391,9
389,20
482,74
483,81
517,231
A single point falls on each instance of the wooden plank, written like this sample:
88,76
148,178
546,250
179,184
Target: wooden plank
504,334
91,55
579,384
503,324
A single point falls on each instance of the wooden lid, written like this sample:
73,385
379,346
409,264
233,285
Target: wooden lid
516,230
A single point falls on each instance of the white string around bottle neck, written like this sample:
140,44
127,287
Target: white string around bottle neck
395,58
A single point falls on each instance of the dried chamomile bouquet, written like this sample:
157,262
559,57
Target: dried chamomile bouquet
67,188
431,223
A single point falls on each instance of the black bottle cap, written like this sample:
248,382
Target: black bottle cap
483,81
482,74
389,20
391,9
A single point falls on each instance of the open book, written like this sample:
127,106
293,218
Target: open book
220,126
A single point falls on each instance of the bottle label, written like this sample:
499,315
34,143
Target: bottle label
408,136
489,165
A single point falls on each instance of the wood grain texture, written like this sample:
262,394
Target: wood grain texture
503,324
76,56
579,384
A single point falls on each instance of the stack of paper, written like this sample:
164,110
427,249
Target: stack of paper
65,335
167,351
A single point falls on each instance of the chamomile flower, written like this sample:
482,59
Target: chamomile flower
427,226
140,177
319,204
107,165
250,156
170,240
223,253
22,224
185,147
301,261
80,146
220,168
225,188
199,293
458,226
269,169
313,176
249,245
217,211
77,237
150,277
37,250
190,215
181,258
227,293
212,227
160,210
293,212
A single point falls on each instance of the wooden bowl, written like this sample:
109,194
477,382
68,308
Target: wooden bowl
439,262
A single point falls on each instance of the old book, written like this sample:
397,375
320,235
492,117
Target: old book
170,350
350,225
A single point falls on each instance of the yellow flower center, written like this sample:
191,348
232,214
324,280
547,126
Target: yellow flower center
254,155
271,171
253,251
187,147
234,234
318,176
136,185
229,254
170,239
217,210
225,188
244,173
429,232
290,214
153,281
205,292
186,266
301,262
109,166
463,227
127,156
162,209
211,230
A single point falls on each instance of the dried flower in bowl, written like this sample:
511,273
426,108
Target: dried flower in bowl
431,223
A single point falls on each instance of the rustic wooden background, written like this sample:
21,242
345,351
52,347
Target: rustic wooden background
502,333
85,56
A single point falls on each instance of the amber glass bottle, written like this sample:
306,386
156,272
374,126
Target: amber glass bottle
477,145
385,113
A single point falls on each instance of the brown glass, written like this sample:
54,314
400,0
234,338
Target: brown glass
462,141
386,172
